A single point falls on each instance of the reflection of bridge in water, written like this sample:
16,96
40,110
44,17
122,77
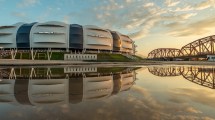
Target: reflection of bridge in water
165,71
204,76
39,86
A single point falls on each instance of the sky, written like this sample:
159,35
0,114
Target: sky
150,23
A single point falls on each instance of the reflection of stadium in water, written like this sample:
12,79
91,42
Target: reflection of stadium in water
204,76
39,86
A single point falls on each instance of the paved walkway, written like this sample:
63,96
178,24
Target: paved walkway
9,62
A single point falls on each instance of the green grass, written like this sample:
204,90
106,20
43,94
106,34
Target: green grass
138,58
57,70
57,56
23,56
101,57
104,57
39,56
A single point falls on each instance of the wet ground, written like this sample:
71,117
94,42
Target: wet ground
110,93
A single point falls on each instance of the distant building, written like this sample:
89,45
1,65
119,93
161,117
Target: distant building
211,57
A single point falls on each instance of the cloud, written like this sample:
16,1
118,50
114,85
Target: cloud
171,3
171,22
196,7
192,110
205,4
196,28
19,14
129,1
195,95
184,9
124,15
135,104
22,16
139,23
138,18
66,19
147,26
187,16
149,4
27,3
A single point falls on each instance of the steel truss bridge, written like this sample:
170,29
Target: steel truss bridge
198,75
197,49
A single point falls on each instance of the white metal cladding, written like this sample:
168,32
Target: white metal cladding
127,43
39,90
7,87
8,35
127,81
50,35
97,87
97,38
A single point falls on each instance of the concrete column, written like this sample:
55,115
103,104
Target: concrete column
13,53
12,74
49,53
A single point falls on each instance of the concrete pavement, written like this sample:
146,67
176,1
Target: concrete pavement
9,62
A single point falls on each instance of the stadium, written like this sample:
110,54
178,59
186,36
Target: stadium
56,36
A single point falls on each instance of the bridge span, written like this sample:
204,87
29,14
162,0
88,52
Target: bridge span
197,49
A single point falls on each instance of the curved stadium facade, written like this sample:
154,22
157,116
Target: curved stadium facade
64,37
